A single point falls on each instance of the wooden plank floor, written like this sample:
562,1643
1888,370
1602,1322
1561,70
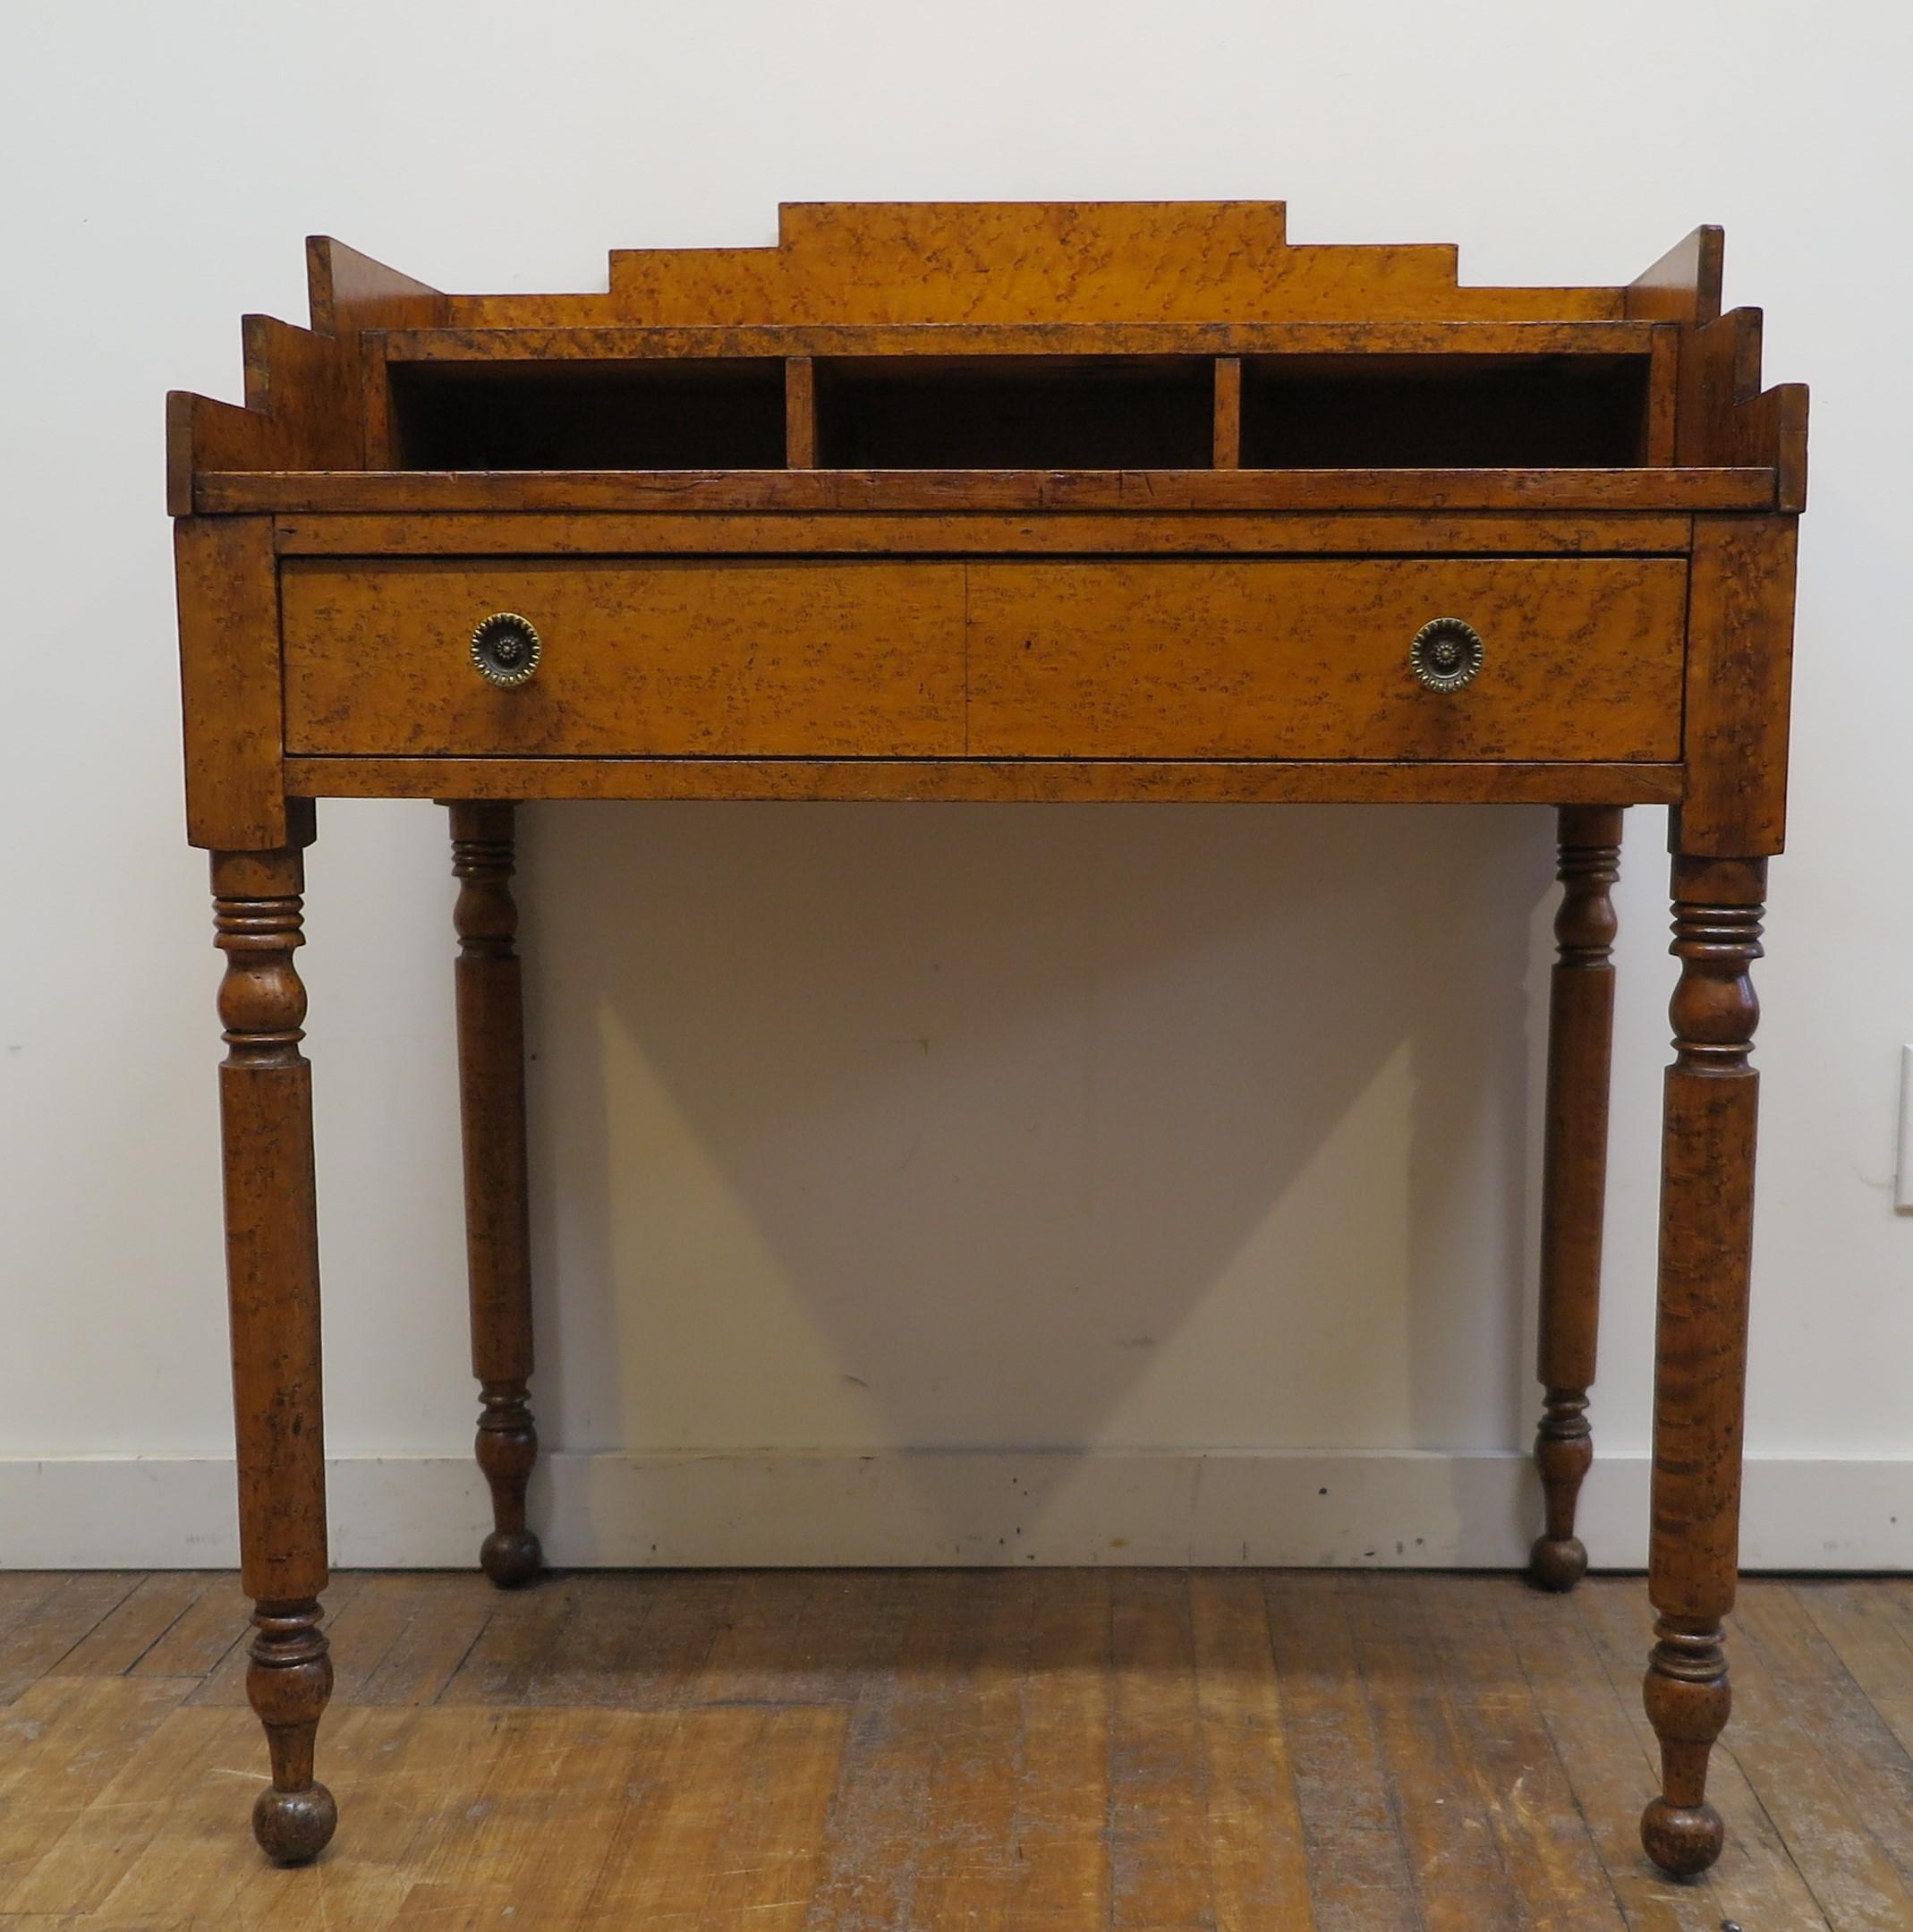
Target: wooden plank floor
907,1751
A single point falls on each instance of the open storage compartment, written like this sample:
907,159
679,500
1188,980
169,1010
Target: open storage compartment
1443,412
657,413
1015,412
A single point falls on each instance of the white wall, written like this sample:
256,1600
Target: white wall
868,1129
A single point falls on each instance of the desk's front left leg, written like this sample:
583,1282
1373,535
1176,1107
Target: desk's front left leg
1700,1349
272,1274
498,1223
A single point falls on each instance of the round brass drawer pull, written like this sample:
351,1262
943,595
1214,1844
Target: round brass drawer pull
505,648
1446,653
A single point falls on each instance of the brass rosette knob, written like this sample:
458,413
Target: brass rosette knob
1446,654
506,649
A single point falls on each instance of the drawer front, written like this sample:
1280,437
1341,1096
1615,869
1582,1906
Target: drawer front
1210,659
663,658
1309,658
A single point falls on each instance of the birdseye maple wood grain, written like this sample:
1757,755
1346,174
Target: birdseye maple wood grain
1287,659
1574,1176
1048,501
662,658
490,1010
1311,659
891,533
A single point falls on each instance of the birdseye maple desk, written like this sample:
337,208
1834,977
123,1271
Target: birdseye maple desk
1016,502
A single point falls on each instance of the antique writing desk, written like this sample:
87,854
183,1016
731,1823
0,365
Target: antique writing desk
998,502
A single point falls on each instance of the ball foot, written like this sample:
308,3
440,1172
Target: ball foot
510,1557
293,1826
1683,1840
1557,1563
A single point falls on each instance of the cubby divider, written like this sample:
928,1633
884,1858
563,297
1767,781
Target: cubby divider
800,412
1228,455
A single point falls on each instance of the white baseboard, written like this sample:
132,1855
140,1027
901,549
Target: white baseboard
763,1507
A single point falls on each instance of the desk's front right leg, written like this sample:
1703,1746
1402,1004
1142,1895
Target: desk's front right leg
1700,1350
272,1276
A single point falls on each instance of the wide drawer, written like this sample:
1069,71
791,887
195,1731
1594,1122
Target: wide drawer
1302,658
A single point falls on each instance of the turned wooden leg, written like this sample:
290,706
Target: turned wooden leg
498,1230
272,1273
1574,1177
1700,1360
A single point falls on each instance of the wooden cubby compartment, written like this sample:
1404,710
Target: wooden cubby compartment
1016,412
1443,412
654,414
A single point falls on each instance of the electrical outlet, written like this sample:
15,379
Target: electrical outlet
1903,1168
